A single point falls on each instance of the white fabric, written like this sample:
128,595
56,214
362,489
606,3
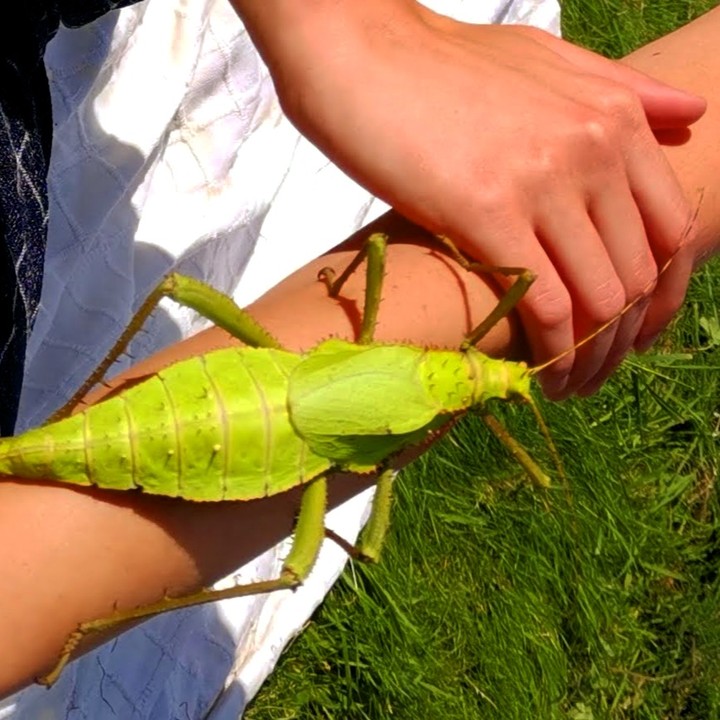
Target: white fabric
170,150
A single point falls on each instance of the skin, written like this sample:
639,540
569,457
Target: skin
589,185
70,555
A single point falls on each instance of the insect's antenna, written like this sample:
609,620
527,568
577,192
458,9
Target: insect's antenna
690,225
538,368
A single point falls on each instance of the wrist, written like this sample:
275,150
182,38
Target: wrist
308,42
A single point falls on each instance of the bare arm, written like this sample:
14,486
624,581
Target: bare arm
71,555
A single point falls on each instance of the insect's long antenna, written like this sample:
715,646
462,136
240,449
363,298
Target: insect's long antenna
643,296
538,368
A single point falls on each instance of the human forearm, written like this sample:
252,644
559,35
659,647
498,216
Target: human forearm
73,555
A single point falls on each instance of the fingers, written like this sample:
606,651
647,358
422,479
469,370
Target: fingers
667,299
607,256
641,227
623,234
665,106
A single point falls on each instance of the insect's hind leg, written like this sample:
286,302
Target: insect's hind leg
307,539
372,537
192,293
375,249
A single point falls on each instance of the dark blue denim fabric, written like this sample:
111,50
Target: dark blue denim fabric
25,140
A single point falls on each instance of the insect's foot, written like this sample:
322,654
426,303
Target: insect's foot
289,580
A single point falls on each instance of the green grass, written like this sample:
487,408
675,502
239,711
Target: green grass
492,602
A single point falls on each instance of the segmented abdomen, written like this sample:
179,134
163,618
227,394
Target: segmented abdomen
213,427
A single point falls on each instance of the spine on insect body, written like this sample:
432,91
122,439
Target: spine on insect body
212,427
462,380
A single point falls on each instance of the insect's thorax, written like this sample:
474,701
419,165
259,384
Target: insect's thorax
461,380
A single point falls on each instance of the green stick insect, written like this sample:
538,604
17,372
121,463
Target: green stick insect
245,423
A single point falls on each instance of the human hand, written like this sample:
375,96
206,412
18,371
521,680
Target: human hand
525,150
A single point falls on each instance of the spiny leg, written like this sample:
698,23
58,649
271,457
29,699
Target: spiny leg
545,430
372,537
538,477
307,539
535,473
375,249
512,296
195,294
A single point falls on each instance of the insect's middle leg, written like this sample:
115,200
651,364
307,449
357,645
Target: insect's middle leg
375,249
307,539
372,537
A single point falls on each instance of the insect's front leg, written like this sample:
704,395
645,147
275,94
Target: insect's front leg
375,249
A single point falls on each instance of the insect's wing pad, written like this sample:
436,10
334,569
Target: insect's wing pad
344,389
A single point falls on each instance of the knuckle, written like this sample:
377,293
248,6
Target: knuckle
493,196
596,128
617,100
492,206
640,277
554,309
680,236
615,114
643,285
598,134
610,303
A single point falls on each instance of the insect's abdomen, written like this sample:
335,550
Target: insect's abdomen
214,427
